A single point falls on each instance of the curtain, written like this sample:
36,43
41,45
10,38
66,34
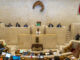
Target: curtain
79,9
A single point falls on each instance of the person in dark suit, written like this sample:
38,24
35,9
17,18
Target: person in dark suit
77,37
50,25
67,58
9,25
50,52
18,25
59,25
25,25
56,58
1,48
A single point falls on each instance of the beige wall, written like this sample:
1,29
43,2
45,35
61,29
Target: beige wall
64,11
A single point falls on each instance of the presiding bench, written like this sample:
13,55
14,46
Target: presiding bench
37,47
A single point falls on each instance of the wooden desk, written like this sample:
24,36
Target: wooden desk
28,58
38,52
36,58
37,47
71,57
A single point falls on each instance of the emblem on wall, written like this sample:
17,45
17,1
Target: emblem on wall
40,4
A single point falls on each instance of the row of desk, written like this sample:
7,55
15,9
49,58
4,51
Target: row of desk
46,57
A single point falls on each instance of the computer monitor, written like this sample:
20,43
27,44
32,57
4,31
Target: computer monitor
8,55
54,53
73,57
47,53
41,57
25,53
21,51
38,23
15,57
3,53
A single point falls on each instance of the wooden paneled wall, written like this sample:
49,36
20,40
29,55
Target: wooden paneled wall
21,36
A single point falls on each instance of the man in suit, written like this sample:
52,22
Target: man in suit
18,25
59,25
25,25
77,37
1,48
50,25
9,25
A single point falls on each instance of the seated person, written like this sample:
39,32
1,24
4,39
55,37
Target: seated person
25,25
50,52
18,25
37,39
41,53
77,37
67,58
56,58
32,54
9,25
38,31
50,25
1,47
59,25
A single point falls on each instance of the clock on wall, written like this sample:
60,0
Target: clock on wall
40,3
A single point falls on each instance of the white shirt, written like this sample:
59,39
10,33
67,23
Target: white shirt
38,32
